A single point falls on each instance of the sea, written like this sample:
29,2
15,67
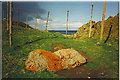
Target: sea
69,32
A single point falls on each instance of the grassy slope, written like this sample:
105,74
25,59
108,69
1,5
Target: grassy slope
83,31
26,40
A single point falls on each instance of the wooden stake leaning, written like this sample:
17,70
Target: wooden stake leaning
103,23
91,21
36,20
10,32
47,21
7,15
26,19
67,22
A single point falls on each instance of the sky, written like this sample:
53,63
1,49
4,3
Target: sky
79,13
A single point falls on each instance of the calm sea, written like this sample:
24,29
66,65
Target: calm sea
64,31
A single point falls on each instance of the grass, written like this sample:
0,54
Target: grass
26,40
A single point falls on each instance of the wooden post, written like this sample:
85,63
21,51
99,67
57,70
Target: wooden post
91,21
67,22
26,19
18,17
47,21
7,15
10,39
103,23
36,20
104,16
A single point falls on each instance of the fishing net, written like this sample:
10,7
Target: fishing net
39,60
70,58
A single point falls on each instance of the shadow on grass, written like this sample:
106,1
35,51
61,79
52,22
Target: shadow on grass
18,46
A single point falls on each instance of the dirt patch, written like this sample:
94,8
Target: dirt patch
84,72
80,71
58,46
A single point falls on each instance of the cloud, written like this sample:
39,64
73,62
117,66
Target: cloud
75,25
32,8
55,24
24,7
40,23
62,26
56,21
82,21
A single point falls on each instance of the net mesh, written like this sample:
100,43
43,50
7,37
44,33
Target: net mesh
53,61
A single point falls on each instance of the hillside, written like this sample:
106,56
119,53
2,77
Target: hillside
102,58
15,23
83,31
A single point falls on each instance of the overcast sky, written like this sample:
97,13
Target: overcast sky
79,13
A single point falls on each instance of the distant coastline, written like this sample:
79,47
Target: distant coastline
64,31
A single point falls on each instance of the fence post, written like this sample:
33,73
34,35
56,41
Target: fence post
91,21
18,17
36,20
26,19
103,21
10,38
67,22
47,21
7,15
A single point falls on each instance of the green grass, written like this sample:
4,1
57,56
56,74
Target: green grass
27,40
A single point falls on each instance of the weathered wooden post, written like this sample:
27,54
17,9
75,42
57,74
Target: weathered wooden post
18,18
10,32
36,20
91,21
47,21
67,22
103,22
26,19
7,15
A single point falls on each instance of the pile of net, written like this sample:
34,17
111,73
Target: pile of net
39,60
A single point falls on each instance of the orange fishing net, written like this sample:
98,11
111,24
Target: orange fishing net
53,61
39,60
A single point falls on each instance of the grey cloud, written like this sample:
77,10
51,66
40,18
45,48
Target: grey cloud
44,18
24,7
